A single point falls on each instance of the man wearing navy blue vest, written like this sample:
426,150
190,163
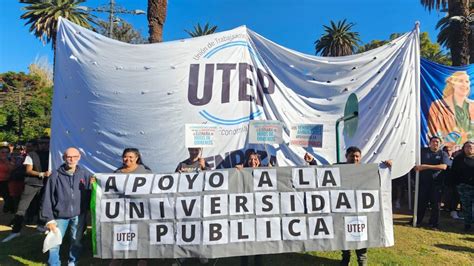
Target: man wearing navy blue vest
433,162
36,164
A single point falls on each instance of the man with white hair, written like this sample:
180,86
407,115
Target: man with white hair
65,202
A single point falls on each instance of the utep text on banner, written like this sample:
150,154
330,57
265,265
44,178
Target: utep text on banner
234,212
228,79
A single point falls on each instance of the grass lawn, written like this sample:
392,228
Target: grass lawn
413,246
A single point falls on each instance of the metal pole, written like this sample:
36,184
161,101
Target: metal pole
111,18
415,208
409,190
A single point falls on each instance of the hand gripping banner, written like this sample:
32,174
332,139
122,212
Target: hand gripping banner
234,212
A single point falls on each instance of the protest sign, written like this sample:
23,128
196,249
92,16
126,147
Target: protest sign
265,132
199,135
235,212
306,135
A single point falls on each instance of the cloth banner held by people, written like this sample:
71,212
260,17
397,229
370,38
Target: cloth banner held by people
447,103
109,95
231,212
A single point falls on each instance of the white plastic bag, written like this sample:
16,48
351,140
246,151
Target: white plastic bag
52,239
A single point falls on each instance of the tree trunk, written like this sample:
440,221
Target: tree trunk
156,19
460,43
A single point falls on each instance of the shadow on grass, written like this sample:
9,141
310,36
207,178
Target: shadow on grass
456,248
25,249
468,239
446,223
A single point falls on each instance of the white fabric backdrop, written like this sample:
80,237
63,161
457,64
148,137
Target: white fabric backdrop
111,95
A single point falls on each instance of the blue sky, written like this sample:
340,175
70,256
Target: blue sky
295,24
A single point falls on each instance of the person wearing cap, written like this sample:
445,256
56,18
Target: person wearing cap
194,163
463,169
433,162
36,164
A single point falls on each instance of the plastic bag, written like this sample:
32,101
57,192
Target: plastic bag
52,239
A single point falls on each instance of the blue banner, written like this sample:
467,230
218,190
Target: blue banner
447,103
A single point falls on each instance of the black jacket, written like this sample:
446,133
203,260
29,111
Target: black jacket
463,169
66,195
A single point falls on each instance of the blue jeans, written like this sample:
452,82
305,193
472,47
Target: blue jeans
76,225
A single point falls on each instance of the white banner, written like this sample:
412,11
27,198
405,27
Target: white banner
110,95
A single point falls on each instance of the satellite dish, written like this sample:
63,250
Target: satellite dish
352,107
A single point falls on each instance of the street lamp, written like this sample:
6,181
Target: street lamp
112,9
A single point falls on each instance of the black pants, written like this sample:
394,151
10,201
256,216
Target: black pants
5,195
29,193
429,193
361,256
244,260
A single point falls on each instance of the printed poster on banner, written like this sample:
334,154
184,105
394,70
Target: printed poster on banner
200,135
265,132
306,135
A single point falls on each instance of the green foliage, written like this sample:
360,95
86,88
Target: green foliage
432,51
199,31
338,39
371,45
434,4
43,16
122,31
25,110
428,49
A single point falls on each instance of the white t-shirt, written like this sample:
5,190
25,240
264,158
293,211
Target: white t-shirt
28,160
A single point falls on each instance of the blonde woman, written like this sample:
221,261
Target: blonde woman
452,117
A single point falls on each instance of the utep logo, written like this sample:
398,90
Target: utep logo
125,237
356,228
242,91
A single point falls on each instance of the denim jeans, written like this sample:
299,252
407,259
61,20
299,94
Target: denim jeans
76,225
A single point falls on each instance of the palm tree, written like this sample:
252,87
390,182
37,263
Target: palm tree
454,34
338,40
198,31
42,16
156,19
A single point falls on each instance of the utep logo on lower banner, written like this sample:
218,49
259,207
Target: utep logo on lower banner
241,89
125,237
356,228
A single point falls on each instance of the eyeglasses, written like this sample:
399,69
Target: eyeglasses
72,157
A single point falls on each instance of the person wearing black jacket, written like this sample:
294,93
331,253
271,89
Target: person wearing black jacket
463,169
65,201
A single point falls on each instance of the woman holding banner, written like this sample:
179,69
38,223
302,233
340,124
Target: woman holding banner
452,117
132,163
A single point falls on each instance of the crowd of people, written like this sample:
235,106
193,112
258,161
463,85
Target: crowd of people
59,199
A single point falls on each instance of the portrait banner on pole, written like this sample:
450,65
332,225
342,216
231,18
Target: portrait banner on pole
447,103
242,212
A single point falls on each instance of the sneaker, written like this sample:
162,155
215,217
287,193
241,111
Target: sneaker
433,227
10,237
454,215
467,227
41,229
